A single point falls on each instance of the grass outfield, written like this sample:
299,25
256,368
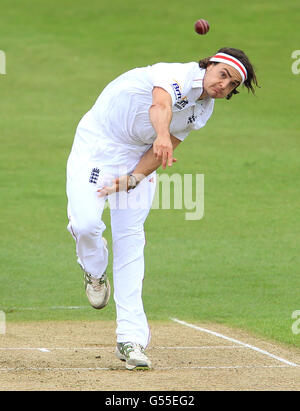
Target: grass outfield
239,265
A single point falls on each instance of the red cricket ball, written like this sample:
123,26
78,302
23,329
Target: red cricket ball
201,26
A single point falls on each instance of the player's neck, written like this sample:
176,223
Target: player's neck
203,96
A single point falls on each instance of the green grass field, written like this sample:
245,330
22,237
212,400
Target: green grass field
239,265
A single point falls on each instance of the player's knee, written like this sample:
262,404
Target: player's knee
134,235
87,228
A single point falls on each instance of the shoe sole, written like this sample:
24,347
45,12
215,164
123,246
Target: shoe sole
141,367
137,367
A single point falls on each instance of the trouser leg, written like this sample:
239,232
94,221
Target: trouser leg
85,224
128,268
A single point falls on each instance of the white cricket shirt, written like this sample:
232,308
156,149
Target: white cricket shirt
118,125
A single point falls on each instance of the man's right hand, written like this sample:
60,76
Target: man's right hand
163,150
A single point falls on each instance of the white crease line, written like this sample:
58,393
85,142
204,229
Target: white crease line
49,349
55,369
203,347
52,349
229,367
56,307
236,342
222,367
25,349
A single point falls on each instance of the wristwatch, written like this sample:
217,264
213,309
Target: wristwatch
132,182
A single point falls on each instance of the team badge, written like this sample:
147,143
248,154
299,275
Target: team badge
94,175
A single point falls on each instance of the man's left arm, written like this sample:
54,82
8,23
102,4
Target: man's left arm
147,164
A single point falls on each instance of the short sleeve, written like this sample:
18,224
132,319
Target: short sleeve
172,77
181,135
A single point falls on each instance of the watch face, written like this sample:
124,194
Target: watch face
131,182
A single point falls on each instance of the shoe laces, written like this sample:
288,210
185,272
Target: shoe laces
96,283
134,347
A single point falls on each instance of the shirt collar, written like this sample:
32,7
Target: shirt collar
198,79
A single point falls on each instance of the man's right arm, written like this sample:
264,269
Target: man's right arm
160,114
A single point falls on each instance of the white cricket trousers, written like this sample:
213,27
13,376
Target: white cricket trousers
128,212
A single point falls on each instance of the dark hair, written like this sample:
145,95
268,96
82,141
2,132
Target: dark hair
241,56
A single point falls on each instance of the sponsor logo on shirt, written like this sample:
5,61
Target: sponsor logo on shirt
176,89
182,103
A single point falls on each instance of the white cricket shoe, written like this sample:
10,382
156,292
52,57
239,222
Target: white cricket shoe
134,355
97,289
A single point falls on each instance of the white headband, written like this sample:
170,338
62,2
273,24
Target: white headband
233,62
